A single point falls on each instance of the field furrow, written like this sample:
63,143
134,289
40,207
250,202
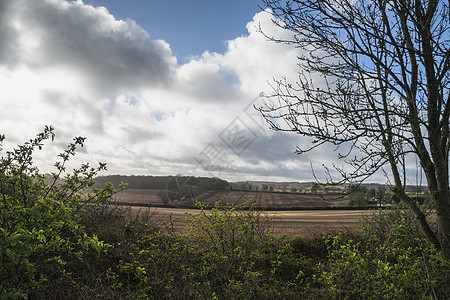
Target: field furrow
236,197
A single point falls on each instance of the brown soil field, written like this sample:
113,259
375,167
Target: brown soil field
265,199
140,196
258,199
284,221
306,223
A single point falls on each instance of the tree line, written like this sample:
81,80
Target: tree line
163,182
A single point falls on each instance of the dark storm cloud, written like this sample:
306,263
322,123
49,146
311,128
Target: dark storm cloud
8,36
110,53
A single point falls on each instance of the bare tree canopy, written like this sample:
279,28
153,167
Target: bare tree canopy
383,92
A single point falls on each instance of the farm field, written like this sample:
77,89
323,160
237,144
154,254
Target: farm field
267,199
305,223
278,217
258,199
140,196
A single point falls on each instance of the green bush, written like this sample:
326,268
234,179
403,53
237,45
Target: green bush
227,253
62,238
389,261
241,258
40,229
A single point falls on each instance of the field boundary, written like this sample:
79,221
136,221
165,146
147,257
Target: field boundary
244,207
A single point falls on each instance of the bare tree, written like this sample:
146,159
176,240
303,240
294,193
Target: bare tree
383,95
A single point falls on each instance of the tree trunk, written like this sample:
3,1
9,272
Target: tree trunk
443,222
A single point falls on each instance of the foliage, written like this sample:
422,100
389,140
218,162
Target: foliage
363,196
352,272
59,238
40,230
237,246
228,253
357,199
390,261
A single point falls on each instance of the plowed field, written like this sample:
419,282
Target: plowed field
279,218
259,199
274,200
306,223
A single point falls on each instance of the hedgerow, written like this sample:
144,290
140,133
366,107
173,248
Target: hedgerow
40,217
62,238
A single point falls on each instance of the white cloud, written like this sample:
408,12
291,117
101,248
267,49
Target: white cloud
78,68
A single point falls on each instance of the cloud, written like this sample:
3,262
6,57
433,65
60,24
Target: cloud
107,53
256,60
207,79
78,68
8,36
249,62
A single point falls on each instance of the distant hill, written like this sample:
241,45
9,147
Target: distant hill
163,182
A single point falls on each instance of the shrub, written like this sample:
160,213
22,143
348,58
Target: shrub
62,238
228,253
241,258
389,261
40,229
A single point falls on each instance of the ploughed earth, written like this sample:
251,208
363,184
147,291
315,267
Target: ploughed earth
283,215
258,199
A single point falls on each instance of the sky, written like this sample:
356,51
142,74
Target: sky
190,27
156,87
